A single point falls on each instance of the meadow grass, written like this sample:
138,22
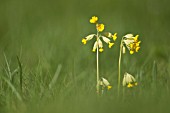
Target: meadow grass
41,41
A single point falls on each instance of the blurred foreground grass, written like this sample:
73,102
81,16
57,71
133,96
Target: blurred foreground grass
47,34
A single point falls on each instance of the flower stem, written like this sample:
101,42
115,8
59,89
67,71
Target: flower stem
97,58
119,67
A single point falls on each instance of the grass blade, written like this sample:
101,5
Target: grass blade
20,68
13,88
53,81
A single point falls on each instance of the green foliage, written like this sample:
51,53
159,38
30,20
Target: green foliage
47,33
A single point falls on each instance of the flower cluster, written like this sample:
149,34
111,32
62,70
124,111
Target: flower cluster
98,43
131,42
129,80
104,83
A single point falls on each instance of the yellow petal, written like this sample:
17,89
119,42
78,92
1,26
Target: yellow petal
138,43
131,52
137,49
110,44
131,46
114,36
84,41
100,27
136,38
129,85
109,87
101,50
94,50
94,19
136,83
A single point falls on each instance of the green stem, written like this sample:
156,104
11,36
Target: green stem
97,58
119,67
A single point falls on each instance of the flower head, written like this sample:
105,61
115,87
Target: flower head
94,20
104,83
129,80
132,43
100,27
98,43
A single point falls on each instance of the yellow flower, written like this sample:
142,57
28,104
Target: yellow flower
129,80
100,27
136,38
136,83
132,43
130,85
105,83
137,49
84,41
107,40
101,49
131,52
94,19
87,38
114,36
138,43
109,87
110,44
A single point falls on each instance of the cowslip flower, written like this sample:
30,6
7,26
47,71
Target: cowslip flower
87,38
104,83
129,80
132,43
110,35
100,27
98,43
105,39
94,19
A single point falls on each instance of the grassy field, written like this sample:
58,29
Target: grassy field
41,39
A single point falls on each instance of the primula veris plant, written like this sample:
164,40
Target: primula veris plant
105,84
129,81
132,44
98,44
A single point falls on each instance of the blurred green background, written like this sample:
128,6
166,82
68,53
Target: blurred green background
46,33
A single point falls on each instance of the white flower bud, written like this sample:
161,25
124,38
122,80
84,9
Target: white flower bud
128,36
100,43
128,78
95,46
105,82
89,37
106,39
